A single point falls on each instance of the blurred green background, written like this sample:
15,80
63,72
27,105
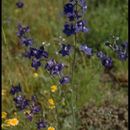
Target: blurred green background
105,18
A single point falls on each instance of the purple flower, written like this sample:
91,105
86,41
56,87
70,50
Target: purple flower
29,116
56,69
64,80
50,64
83,5
38,53
69,29
15,89
71,16
20,102
65,49
86,49
68,8
80,26
122,55
107,62
35,108
100,55
125,44
53,67
20,4
74,11
26,41
36,64
41,124
22,30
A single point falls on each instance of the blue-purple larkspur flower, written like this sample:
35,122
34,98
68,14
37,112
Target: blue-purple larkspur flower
65,50
38,53
41,124
26,41
80,26
15,89
22,30
100,55
69,29
74,11
29,116
122,55
36,108
56,69
83,5
107,62
86,49
64,80
71,16
36,64
68,8
121,50
20,4
49,65
125,44
53,67
20,102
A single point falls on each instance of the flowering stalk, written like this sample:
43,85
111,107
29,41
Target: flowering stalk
74,11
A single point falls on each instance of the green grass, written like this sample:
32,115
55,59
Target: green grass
46,22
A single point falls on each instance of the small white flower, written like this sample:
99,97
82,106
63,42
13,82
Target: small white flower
63,39
43,43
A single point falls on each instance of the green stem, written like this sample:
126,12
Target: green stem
4,36
74,91
72,76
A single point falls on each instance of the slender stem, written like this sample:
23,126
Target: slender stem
4,35
73,88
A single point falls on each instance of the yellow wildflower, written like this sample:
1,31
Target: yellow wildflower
4,92
12,122
35,75
51,128
51,103
53,88
4,115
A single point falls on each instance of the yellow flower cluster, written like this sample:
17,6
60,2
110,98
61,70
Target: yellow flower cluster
35,75
51,128
51,103
4,115
9,122
53,88
4,92
12,122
